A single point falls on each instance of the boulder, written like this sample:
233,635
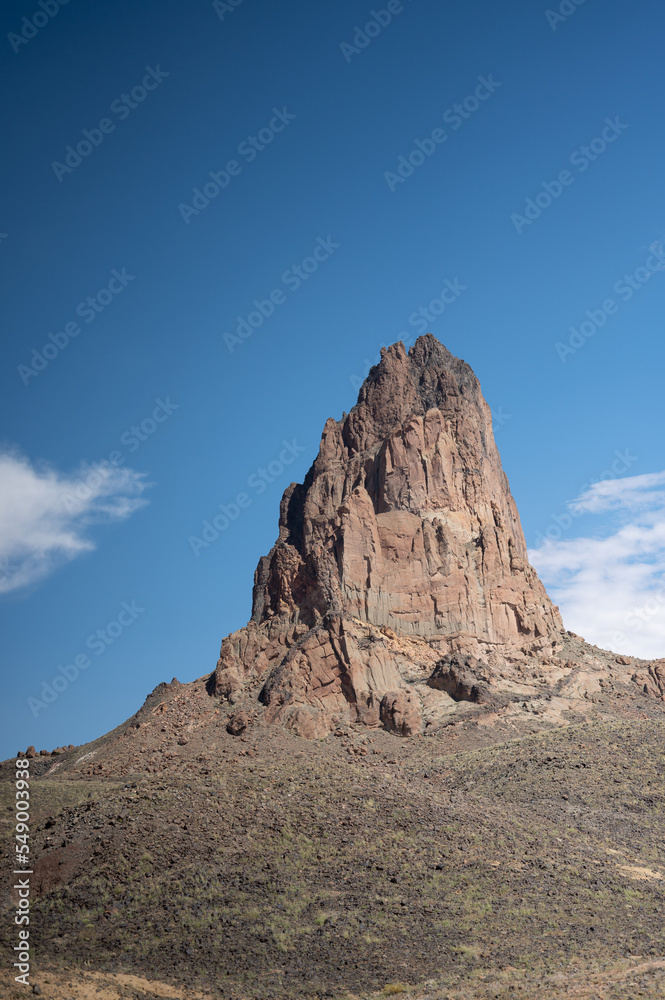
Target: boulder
461,677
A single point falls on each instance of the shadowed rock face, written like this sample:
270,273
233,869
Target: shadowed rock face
465,679
402,545
406,519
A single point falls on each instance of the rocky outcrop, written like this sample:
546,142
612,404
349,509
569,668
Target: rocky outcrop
402,546
406,519
652,679
400,712
462,677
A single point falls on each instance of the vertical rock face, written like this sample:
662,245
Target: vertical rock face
406,519
404,529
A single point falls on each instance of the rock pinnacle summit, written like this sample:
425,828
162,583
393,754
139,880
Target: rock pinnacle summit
402,547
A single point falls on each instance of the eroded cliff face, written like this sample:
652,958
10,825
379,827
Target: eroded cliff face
405,528
406,519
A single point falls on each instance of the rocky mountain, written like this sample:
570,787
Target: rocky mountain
400,583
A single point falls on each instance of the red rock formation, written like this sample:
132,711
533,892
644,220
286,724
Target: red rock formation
403,527
406,518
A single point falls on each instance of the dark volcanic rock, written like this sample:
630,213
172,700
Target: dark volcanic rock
462,677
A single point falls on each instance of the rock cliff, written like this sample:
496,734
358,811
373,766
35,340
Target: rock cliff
403,546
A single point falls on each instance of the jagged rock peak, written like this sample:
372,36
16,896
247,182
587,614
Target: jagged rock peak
404,385
401,552
405,519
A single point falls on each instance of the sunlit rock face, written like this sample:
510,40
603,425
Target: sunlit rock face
406,519
404,528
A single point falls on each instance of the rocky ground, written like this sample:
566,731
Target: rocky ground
628,979
500,855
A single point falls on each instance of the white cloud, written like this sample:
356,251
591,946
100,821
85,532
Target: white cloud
631,493
610,585
45,517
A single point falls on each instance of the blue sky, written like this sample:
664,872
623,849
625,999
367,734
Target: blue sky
349,189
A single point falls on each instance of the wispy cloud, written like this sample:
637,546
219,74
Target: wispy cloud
632,493
46,518
610,584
